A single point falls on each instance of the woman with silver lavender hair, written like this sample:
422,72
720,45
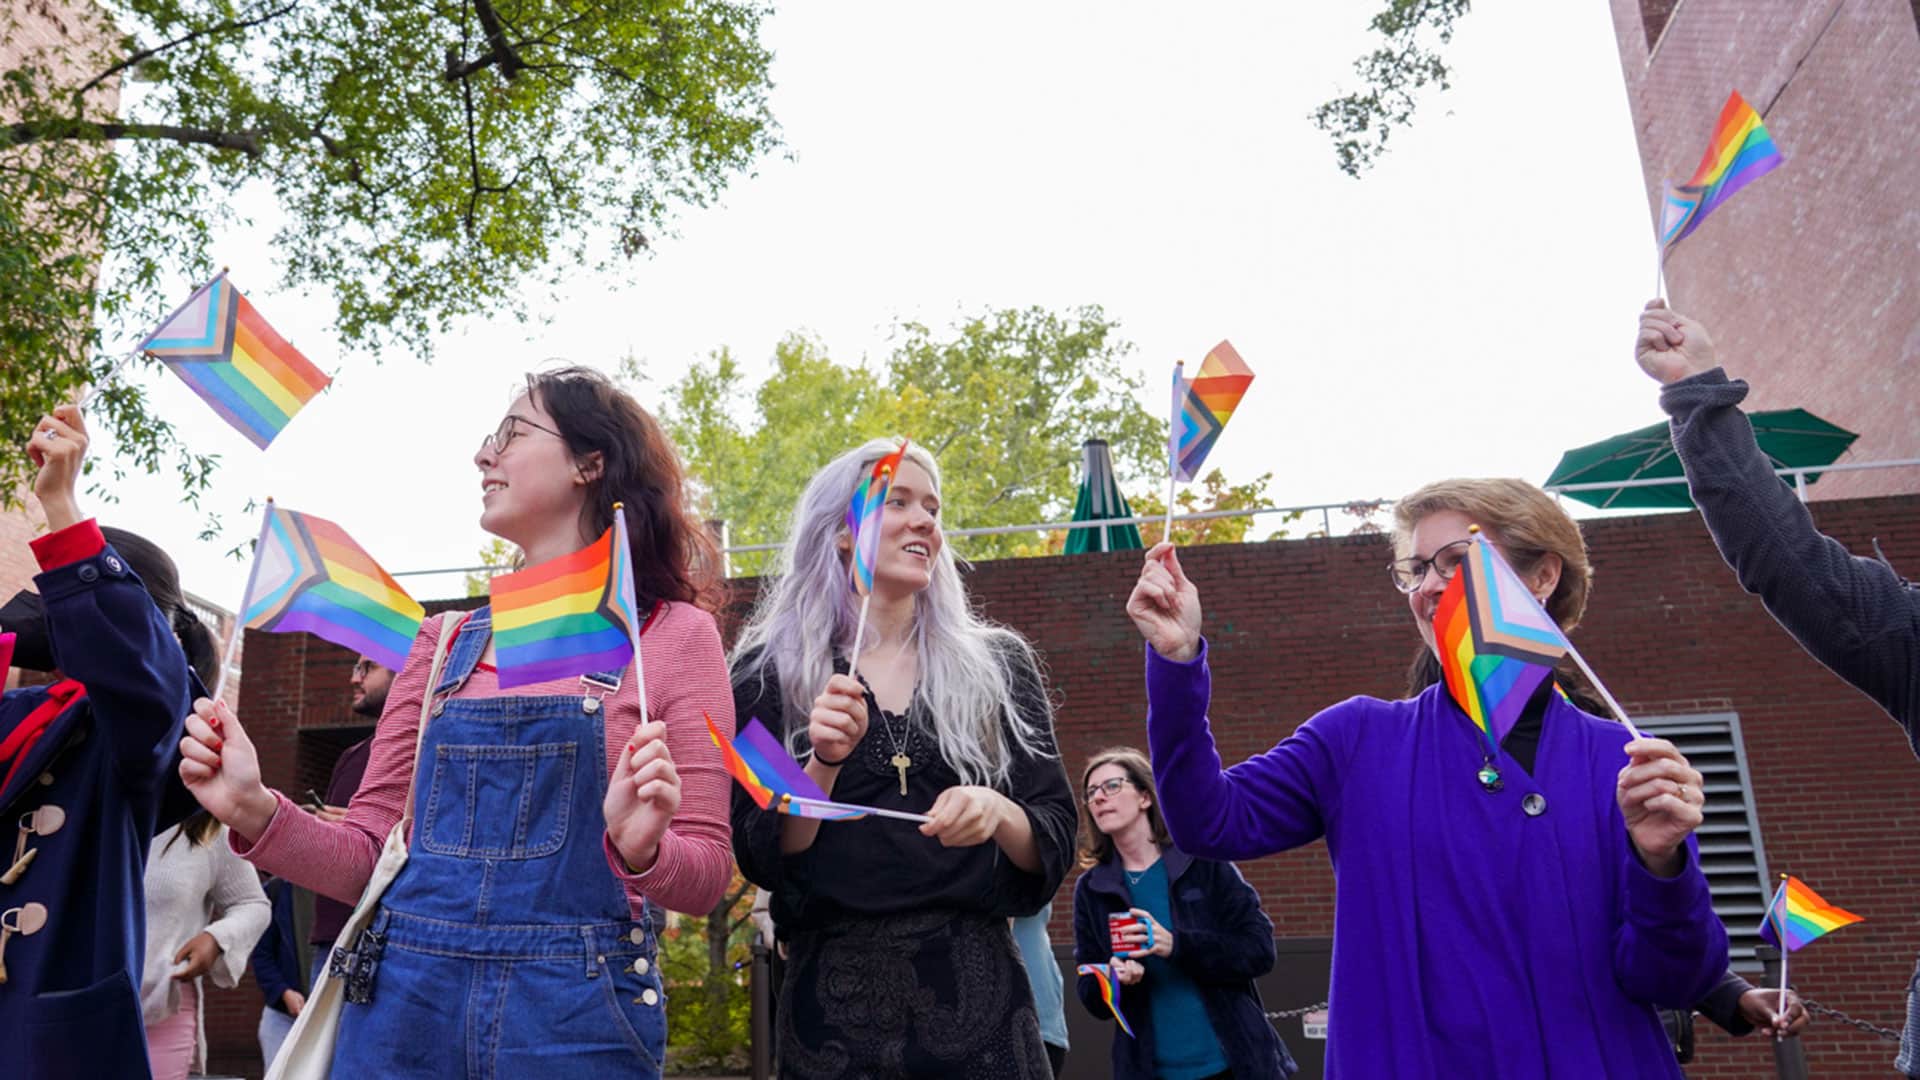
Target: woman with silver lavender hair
900,962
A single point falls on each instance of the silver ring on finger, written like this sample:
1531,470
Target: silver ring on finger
52,434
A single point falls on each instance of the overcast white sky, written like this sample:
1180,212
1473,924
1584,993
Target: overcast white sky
1465,309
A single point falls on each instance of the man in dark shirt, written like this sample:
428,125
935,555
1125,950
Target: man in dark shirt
370,685
1853,614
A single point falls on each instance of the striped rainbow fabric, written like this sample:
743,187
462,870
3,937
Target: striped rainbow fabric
1740,152
770,776
574,615
1202,407
218,343
1497,644
1109,991
864,514
309,575
1797,915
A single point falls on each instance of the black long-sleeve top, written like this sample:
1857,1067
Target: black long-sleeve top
1854,615
881,866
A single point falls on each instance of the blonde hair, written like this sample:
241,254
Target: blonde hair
1525,521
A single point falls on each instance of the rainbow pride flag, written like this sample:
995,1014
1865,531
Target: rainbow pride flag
574,615
1497,644
218,343
309,575
864,513
1797,915
1109,991
1202,406
758,763
1739,153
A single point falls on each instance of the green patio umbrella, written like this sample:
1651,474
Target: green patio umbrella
1791,438
1100,499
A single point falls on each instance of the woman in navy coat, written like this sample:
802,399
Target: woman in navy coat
87,776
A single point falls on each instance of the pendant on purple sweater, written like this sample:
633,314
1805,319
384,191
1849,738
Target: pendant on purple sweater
1490,777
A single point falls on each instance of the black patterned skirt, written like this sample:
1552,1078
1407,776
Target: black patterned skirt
929,994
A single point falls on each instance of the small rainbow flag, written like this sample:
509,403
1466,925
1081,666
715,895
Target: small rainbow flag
1497,644
1109,991
228,354
574,615
1797,915
1739,153
1202,406
309,575
864,513
758,763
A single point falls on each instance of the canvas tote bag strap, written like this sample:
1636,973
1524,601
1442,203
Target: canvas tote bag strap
440,650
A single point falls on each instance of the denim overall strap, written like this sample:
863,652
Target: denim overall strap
506,945
507,819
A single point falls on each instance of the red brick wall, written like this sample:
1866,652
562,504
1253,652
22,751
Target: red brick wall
1808,278
1298,625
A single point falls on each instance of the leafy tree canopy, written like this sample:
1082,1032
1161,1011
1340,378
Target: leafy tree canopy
430,161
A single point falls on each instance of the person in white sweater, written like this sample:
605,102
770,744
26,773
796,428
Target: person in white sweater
205,910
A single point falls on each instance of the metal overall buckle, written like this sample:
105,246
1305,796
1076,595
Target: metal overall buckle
356,966
590,704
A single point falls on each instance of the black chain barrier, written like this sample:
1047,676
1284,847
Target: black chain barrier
1818,1009
1813,1007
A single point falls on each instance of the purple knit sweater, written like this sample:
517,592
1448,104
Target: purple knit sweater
1470,938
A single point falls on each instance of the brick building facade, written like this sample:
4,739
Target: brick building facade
1810,278
53,26
1298,625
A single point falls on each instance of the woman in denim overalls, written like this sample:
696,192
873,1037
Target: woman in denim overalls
515,941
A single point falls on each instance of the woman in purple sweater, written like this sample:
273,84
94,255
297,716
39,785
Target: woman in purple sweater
1518,915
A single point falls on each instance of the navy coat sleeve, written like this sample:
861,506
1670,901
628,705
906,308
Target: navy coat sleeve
1722,1004
266,952
107,634
1236,943
1091,945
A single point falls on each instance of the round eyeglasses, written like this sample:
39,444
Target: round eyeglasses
502,435
1408,574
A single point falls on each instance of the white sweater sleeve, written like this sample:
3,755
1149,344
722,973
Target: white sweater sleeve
242,911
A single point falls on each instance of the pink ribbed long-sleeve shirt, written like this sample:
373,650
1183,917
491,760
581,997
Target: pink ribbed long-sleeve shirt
686,675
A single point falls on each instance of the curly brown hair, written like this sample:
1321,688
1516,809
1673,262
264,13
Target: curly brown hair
674,556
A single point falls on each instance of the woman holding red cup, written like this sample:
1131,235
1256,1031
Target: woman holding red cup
1186,939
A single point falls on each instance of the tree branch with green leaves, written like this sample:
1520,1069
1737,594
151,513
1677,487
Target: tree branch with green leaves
426,162
1407,63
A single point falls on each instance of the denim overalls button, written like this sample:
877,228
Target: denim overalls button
640,966
648,997
636,935
589,705
439,707
114,565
